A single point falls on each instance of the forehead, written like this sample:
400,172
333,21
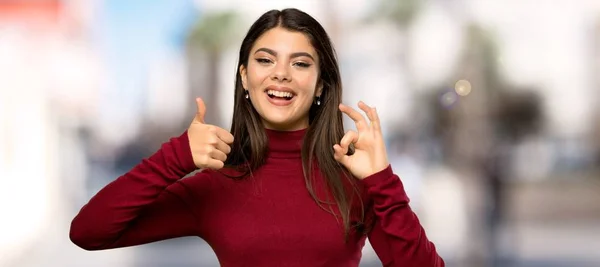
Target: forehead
284,41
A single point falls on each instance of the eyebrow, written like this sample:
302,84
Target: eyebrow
293,55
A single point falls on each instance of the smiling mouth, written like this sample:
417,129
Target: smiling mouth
273,94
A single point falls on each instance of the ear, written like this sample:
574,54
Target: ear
319,90
244,76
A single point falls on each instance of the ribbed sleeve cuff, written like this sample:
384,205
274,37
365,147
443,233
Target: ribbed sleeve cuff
385,188
185,153
379,177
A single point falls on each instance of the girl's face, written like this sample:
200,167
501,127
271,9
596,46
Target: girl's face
282,78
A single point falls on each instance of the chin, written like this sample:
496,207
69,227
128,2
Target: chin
277,122
284,124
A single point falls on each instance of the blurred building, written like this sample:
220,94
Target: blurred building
28,166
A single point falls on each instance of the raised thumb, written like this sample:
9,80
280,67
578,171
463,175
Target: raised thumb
200,111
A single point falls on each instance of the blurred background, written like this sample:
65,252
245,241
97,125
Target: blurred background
490,110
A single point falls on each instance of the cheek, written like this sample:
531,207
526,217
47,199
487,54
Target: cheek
256,77
308,82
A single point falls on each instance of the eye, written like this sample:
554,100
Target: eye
263,61
302,64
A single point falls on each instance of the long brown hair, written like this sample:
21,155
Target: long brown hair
325,121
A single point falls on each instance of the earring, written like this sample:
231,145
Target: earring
318,100
247,95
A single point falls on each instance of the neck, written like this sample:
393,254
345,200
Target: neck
289,127
285,144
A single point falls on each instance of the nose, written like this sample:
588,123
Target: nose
281,73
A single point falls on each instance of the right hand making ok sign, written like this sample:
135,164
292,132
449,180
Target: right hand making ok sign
209,143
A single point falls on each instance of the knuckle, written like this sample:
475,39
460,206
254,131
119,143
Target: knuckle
212,140
202,161
206,149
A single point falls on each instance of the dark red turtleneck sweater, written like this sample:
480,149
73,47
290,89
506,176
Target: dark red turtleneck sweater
267,220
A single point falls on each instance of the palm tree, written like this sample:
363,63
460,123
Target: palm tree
208,40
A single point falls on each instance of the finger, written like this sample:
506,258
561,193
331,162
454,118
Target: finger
207,161
364,107
215,164
349,138
224,135
220,134
339,155
371,114
375,121
218,155
222,146
201,110
358,118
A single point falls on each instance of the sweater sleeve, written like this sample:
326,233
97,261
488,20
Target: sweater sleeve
397,236
146,204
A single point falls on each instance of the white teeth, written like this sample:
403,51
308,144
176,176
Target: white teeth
279,93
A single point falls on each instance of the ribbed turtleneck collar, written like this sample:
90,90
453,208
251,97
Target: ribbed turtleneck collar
285,144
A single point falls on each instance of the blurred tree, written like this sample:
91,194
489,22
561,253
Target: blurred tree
402,14
469,117
478,120
210,37
463,124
